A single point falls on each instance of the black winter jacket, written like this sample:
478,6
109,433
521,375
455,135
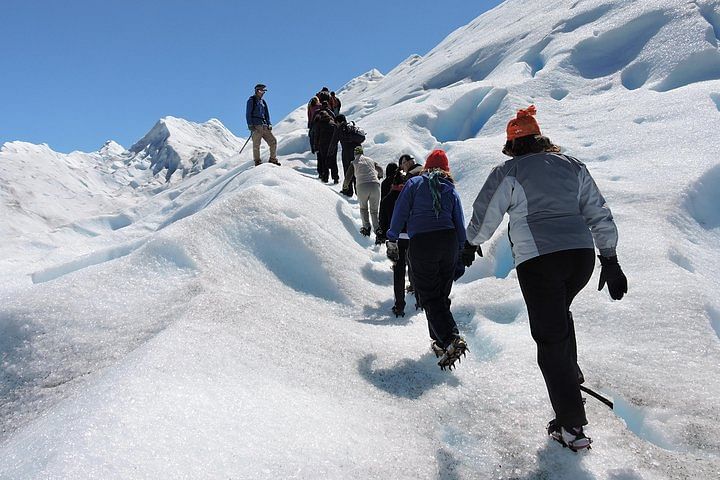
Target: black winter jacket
387,205
323,132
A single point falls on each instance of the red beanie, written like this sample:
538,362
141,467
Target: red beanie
524,124
437,159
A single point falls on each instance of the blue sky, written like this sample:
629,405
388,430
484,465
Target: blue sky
78,72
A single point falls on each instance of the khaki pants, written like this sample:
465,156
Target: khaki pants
262,132
368,195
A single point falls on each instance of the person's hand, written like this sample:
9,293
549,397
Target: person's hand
612,274
251,127
393,252
269,127
468,253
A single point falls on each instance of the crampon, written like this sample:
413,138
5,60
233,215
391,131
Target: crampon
437,349
457,349
573,437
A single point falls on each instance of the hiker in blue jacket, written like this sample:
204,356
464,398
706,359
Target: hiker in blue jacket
430,208
258,121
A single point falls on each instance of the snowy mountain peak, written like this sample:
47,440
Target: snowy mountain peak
178,145
112,149
362,82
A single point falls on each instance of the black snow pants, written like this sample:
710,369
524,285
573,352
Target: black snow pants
347,156
432,257
549,283
399,270
331,166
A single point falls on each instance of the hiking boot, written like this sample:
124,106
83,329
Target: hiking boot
380,237
571,437
258,162
453,352
274,161
437,349
365,231
336,181
398,310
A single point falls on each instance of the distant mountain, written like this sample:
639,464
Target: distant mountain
175,145
110,179
41,188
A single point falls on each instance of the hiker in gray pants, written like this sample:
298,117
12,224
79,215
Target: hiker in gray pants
367,174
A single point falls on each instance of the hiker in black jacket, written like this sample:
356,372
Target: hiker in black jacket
400,265
349,138
386,184
324,131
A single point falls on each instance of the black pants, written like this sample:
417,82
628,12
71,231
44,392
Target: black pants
549,283
399,270
327,164
432,257
332,165
347,157
321,165
311,138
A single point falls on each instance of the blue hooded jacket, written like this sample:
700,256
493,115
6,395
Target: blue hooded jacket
422,213
256,112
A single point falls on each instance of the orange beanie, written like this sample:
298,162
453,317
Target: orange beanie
524,124
437,159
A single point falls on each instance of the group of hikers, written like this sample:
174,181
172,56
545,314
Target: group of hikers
557,218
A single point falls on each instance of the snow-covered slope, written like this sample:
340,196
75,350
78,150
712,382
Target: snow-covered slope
237,326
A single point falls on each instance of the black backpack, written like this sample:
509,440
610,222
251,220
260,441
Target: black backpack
349,133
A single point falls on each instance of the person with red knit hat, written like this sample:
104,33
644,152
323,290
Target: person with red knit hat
557,218
429,209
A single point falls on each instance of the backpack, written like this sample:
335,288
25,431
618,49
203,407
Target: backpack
350,133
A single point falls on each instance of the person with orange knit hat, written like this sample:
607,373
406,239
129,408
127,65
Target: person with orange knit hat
429,209
557,218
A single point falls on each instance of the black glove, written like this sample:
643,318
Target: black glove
393,252
614,276
468,253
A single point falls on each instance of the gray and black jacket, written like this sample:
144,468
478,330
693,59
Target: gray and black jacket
553,204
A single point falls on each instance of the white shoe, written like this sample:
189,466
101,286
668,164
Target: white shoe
572,437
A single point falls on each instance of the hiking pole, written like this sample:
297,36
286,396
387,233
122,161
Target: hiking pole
243,147
604,400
